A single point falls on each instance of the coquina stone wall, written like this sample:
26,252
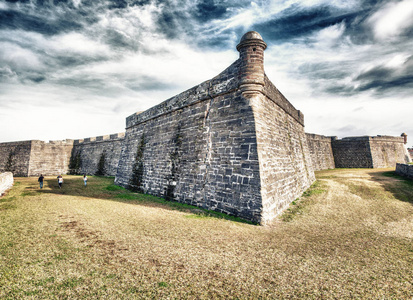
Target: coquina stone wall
352,152
32,158
88,153
6,182
321,151
15,157
404,170
387,151
369,152
232,144
49,158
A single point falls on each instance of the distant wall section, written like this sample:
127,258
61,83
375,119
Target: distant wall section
49,158
15,157
369,152
404,170
321,151
410,151
387,151
88,153
352,152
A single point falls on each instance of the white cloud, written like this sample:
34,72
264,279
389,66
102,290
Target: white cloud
17,56
74,42
392,19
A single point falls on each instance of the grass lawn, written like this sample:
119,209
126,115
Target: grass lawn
350,236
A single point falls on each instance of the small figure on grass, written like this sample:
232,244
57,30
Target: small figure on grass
40,180
85,179
60,181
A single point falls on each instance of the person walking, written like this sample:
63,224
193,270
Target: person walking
85,179
40,180
60,181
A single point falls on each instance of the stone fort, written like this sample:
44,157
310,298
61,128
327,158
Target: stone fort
232,144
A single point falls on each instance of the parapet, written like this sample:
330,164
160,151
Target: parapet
102,138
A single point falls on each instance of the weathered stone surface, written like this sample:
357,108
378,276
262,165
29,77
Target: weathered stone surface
410,151
386,151
369,152
15,157
404,170
50,158
32,158
6,182
321,151
90,150
233,144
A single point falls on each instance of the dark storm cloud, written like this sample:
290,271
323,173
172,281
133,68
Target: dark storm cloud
193,23
208,10
18,20
384,79
296,22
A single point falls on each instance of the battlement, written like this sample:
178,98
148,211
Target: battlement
102,138
224,83
377,138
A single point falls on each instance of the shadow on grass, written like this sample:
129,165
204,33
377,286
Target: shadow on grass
401,188
104,188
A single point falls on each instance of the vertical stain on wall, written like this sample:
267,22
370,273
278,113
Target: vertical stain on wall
135,183
175,161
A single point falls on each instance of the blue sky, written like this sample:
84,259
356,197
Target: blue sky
78,68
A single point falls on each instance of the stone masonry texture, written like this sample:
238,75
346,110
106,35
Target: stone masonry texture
321,151
32,158
15,157
50,158
369,152
404,170
91,150
6,182
232,144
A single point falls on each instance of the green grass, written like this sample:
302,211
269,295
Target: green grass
349,237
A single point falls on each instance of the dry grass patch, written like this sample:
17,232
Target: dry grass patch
350,239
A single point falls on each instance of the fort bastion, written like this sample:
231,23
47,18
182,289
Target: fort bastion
232,144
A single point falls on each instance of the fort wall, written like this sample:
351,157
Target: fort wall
410,152
321,151
369,152
197,148
387,151
15,157
232,144
352,152
93,150
6,182
404,170
49,158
